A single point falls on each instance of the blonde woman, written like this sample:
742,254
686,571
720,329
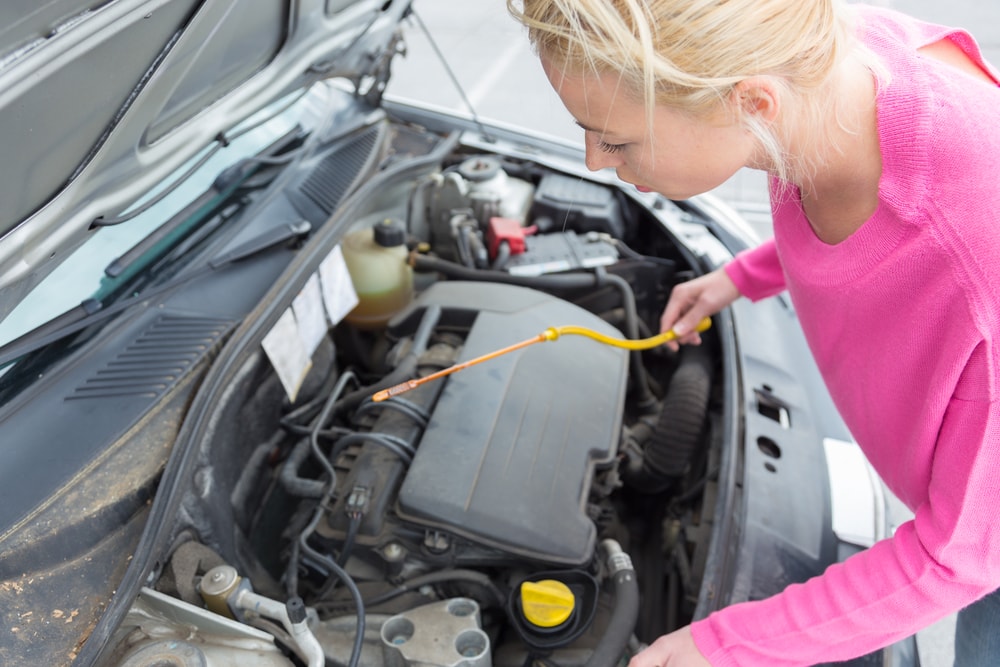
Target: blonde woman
882,138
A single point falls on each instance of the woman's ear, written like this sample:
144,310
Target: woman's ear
758,96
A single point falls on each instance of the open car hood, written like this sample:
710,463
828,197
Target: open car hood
101,100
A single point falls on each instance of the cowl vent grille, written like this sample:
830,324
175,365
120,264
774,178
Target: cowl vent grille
339,172
156,360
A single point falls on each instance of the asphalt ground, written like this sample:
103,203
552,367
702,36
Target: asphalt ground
490,58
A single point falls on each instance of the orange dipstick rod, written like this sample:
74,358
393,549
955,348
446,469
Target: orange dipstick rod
550,334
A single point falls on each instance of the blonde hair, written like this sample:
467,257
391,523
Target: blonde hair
690,54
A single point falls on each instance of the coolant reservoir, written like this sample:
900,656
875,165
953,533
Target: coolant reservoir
376,259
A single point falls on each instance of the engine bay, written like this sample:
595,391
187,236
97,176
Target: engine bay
551,506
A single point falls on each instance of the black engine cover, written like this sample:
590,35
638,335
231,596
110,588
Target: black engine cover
509,454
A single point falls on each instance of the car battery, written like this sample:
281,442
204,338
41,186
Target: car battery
565,251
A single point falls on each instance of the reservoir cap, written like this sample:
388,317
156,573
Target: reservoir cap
547,603
389,233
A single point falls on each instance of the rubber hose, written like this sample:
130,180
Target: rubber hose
291,481
503,256
614,642
404,370
644,396
675,441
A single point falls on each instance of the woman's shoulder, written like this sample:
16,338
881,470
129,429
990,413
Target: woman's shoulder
934,121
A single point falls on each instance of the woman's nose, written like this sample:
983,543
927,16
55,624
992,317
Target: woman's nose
596,158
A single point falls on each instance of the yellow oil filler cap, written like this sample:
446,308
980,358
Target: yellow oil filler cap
547,603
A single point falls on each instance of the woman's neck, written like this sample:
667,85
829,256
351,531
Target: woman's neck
842,159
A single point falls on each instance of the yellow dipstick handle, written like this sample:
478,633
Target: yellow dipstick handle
552,333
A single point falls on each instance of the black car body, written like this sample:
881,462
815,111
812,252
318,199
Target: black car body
194,472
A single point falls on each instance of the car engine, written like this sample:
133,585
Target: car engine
548,507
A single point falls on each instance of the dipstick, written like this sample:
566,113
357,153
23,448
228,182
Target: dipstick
550,334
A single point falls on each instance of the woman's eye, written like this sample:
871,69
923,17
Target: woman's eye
609,148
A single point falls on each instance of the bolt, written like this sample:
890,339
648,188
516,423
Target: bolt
394,552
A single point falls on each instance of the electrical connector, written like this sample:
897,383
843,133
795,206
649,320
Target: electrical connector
505,230
359,500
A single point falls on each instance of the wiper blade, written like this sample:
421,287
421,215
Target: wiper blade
123,263
92,311
225,184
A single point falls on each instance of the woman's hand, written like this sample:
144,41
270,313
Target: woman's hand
696,299
674,650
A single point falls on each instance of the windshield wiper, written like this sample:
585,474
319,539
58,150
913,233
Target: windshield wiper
196,212
92,311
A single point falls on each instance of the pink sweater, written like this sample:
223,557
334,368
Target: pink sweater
903,319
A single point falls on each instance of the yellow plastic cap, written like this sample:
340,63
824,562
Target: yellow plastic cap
547,603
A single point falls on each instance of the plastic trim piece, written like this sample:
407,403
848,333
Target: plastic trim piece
858,508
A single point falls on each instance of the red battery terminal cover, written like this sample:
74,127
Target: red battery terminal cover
505,230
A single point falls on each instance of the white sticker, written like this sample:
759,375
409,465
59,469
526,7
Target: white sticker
309,315
339,295
284,347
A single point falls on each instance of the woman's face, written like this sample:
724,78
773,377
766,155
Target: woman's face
677,155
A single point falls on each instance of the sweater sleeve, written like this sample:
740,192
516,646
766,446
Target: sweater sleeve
757,272
947,557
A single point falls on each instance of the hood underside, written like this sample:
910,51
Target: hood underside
100,101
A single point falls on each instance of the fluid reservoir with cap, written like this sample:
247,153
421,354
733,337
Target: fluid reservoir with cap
552,609
376,258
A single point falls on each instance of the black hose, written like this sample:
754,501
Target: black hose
645,400
401,448
291,481
415,412
404,370
352,534
673,444
436,577
301,546
337,571
462,247
675,440
441,576
503,256
615,640
329,485
297,420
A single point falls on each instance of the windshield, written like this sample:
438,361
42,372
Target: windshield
81,276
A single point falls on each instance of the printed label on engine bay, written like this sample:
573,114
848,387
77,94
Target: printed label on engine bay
284,347
338,289
309,315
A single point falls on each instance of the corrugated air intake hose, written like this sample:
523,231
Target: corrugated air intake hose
669,449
